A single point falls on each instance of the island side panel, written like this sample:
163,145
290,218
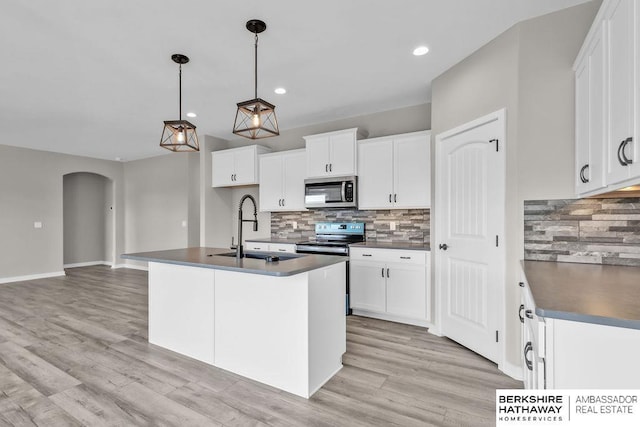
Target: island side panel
327,324
181,308
261,328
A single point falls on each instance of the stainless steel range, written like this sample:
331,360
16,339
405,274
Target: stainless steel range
334,238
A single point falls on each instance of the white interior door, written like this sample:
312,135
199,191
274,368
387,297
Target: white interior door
469,247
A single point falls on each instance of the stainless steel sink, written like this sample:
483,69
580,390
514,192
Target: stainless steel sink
262,255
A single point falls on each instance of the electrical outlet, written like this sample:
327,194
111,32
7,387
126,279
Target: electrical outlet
392,225
294,225
37,224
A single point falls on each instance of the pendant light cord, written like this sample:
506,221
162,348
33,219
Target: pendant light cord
180,91
255,69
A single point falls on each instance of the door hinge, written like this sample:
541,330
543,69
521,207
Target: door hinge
497,241
496,336
497,143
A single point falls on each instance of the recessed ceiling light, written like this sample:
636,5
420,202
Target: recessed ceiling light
280,90
192,115
420,50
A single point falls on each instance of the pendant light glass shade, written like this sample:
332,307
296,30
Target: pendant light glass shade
256,118
179,135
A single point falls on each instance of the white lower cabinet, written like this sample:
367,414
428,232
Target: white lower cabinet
566,354
390,284
270,247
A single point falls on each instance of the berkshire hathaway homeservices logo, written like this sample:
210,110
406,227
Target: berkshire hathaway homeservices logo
584,408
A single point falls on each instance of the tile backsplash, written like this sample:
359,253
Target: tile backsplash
596,231
412,225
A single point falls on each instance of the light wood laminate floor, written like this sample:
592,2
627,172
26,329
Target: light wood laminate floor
74,351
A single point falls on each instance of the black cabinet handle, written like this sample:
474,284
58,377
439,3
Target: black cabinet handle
389,198
521,284
626,160
387,273
395,198
529,314
383,272
405,257
443,246
622,162
366,254
528,348
282,202
520,313
326,167
583,178
330,167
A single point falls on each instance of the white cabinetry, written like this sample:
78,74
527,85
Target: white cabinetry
236,166
391,284
331,154
565,354
590,116
270,247
282,181
607,113
394,172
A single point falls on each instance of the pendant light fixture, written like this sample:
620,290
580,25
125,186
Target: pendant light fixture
179,135
256,118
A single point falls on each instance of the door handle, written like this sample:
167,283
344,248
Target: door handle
627,160
520,313
443,246
583,178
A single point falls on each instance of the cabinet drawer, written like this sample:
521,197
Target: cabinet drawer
400,256
257,246
282,247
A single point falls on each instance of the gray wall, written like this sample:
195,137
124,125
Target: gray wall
31,190
157,202
526,70
85,207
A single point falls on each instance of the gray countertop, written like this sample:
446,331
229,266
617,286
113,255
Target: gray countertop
210,258
397,245
601,294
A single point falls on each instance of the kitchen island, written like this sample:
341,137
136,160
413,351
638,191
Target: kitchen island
280,323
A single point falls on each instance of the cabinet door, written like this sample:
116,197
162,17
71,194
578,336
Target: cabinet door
375,174
245,166
270,189
342,154
620,79
222,168
317,156
294,174
412,171
406,291
590,117
367,286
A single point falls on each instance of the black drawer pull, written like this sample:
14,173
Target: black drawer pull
529,314
520,313
366,255
405,257
528,348
521,284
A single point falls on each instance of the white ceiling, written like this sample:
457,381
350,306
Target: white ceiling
95,78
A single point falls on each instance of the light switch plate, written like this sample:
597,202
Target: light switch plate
294,224
392,225
37,224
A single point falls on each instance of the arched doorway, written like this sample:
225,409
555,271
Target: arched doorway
88,219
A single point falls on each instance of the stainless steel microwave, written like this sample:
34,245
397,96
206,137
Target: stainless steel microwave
328,193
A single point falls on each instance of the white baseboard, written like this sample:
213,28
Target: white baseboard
134,267
392,318
87,264
512,370
31,277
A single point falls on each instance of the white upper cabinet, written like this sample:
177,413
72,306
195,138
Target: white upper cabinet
331,154
607,113
619,21
590,116
236,166
282,181
395,172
